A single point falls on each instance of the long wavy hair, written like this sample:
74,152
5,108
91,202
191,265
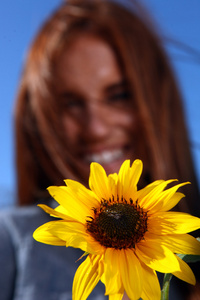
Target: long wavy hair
42,157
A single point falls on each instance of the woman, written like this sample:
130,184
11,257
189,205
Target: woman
96,86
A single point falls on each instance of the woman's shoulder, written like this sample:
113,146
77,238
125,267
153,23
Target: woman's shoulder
19,222
15,212
37,266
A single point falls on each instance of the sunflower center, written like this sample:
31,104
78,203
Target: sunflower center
118,225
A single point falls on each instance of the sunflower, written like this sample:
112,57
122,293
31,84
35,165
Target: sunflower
127,234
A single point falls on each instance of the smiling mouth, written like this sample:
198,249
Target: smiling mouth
105,157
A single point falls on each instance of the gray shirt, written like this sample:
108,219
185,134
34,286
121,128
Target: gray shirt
34,271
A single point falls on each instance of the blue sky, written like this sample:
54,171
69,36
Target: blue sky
19,21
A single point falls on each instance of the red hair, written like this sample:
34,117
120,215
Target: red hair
41,152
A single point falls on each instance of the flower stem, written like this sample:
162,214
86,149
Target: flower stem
165,289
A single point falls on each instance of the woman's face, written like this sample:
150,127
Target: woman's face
96,106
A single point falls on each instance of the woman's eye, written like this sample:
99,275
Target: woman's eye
71,105
120,97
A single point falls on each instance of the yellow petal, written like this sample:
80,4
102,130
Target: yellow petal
135,171
157,257
152,199
75,235
85,243
178,243
131,273
43,235
76,209
112,184
123,180
86,278
63,229
85,195
168,198
173,201
128,178
61,210
172,223
147,189
113,281
151,287
58,212
185,272
158,226
98,181
116,297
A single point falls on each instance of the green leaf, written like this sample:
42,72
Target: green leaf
189,258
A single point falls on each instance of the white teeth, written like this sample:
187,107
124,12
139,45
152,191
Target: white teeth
105,156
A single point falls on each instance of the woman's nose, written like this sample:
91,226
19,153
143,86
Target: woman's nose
97,122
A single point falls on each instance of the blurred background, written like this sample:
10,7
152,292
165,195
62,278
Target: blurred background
178,23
